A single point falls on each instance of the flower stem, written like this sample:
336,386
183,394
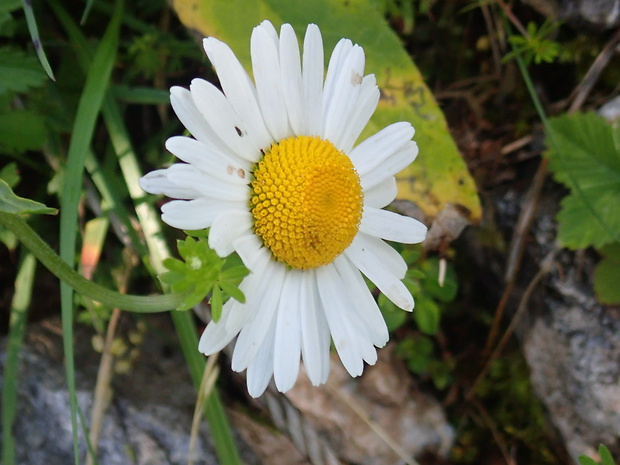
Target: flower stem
95,292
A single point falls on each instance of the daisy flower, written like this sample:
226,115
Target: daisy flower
273,172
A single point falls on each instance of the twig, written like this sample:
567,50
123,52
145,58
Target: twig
207,384
545,266
486,418
517,248
582,91
373,425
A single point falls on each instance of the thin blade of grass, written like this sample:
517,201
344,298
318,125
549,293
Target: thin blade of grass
17,326
36,41
158,251
97,81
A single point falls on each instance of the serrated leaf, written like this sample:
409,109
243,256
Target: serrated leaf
19,72
588,163
12,203
21,130
439,175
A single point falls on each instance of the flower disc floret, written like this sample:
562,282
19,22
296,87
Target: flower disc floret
306,201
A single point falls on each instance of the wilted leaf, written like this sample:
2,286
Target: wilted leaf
588,163
439,175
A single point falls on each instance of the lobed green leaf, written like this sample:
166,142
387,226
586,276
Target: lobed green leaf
585,156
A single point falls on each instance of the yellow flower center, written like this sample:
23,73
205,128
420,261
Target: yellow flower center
307,201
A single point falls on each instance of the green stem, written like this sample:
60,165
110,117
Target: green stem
49,258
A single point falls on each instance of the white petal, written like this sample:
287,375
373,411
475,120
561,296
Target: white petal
225,166
217,335
193,214
392,226
360,114
314,330
261,369
377,148
312,75
183,174
253,287
253,333
228,227
373,267
382,194
217,110
290,77
393,261
249,247
188,114
332,294
363,302
157,182
336,60
338,109
266,68
238,88
268,27
287,348
394,164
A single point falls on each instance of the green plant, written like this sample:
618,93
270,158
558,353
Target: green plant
584,155
606,458
534,45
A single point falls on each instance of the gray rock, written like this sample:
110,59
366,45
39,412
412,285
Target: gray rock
594,13
147,423
591,14
570,341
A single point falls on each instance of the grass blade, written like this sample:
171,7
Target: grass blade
158,250
97,81
36,41
17,326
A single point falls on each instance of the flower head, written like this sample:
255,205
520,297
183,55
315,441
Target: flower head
273,172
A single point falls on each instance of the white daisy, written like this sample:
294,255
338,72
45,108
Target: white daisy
273,171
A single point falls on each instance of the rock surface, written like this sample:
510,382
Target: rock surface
147,423
591,14
570,341
360,416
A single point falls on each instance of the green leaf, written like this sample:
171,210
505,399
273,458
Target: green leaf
606,275
430,283
19,72
394,317
34,34
439,175
233,291
216,303
606,458
10,175
21,130
588,163
585,460
427,315
12,203
234,274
